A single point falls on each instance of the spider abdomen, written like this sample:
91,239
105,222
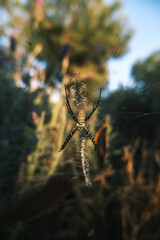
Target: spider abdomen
81,117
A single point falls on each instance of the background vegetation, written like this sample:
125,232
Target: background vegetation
44,45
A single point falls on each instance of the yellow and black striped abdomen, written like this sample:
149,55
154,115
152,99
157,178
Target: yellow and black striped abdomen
81,117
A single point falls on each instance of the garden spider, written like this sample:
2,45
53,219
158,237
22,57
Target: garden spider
80,120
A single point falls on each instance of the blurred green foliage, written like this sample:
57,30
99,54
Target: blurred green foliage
134,116
69,36
93,31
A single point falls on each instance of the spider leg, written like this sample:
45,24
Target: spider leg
68,139
94,107
69,107
90,136
71,113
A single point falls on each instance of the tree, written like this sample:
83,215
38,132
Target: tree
90,30
147,77
135,117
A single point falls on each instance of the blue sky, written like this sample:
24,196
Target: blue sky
144,18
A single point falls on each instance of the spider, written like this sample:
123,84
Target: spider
80,120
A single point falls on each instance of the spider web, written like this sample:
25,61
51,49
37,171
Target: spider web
139,91
79,97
